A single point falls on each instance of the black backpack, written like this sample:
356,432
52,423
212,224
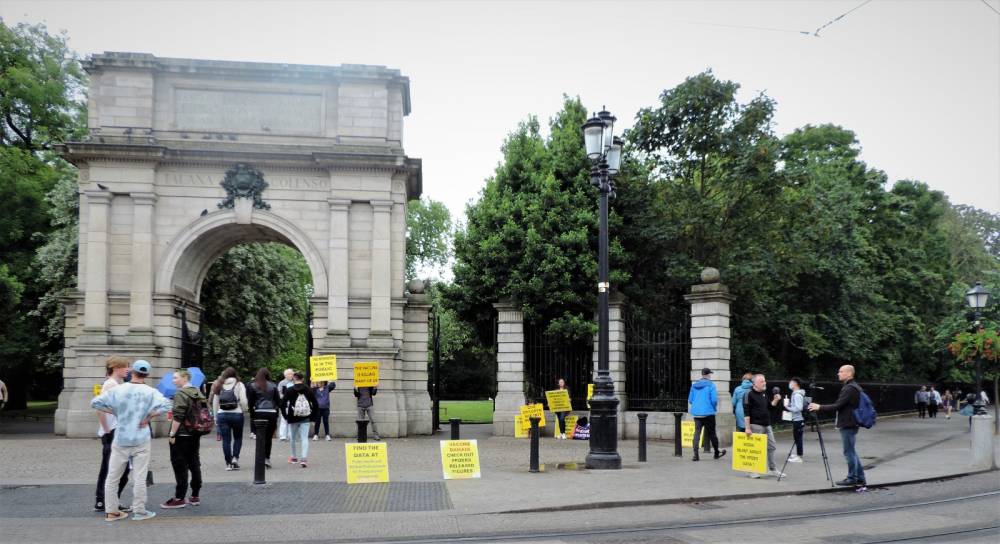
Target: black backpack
265,399
228,399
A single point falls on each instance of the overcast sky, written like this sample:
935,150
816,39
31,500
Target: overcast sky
918,81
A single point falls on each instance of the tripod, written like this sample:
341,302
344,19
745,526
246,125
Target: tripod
822,447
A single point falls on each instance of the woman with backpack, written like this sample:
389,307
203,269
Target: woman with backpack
298,405
321,390
229,401
262,397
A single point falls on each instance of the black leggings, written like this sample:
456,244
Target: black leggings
798,429
272,425
561,416
184,458
707,423
323,416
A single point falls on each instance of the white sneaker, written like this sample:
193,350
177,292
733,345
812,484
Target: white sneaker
315,437
753,475
563,436
795,459
328,438
776,473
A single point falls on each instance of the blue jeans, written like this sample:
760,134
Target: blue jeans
854,469
298,438
231,429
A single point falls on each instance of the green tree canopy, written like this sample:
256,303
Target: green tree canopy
428,236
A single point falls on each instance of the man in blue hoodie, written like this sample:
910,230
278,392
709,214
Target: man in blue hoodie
704,401
738,393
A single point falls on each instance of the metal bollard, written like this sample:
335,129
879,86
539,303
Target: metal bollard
642,437
678,447
455,422
260,429
362,431
533,462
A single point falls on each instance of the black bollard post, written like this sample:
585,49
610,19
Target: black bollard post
642,437
362,431
678,447
533,462
260,429
455,422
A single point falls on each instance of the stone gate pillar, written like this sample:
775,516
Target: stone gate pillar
616,355
510,368
710,301
414,375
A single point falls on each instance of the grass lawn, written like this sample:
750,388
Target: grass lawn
36,408
469,411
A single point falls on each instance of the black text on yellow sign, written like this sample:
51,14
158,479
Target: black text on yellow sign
366,374
750,452
559,400
323,368
367,463
460,459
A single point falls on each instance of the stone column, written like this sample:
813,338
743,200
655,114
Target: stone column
510,368
338,274
95,314
710,301
141,289
414,375
381,289
616,355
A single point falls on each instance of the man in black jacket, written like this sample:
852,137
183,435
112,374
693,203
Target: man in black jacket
850,397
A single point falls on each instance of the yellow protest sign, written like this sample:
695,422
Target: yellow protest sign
559,400
687,434
460,459
323,368
570,426
533,410
367,463
366,374
590,391
750,452
97,389
520,429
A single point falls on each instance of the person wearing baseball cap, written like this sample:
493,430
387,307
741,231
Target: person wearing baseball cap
133,404
704,401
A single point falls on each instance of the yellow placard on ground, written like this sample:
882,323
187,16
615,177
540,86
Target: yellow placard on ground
559,400
687,434
520,429
367,463
97,389
323,368
366,374
570,426
533,410
750,452
460,459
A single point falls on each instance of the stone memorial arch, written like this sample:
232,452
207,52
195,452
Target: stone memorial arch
187,158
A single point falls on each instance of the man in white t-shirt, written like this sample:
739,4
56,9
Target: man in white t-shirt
288,382
115,369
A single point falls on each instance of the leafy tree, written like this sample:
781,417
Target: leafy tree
428,236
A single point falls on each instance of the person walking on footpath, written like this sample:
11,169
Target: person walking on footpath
298,405
321,390
738,394
920,399
796,404
133,404
933,402
949,402
757,419
704,402
282,386
847,401
185,442
229,401
263,400
366,407
115,370
561,416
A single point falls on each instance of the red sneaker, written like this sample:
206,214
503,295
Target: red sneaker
174,503
194,501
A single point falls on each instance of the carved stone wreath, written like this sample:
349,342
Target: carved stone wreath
244,181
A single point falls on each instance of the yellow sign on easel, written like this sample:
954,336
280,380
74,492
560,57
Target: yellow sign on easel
559,400
520,429
97,389
533,410
750,452
367,463
323,368
460,459
366,374
687,434
570,426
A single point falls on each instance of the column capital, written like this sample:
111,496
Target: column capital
98,196
339,204
381,206
145,199
709,293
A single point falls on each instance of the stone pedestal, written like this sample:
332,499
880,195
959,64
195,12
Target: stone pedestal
982,448
616,356
710,301
510,368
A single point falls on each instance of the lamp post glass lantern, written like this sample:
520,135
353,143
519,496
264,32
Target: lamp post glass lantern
604,151
977,297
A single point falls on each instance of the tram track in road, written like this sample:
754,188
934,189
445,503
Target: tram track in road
988,530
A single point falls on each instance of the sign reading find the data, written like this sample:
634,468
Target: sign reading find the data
460,459
750,453
367,463
323,368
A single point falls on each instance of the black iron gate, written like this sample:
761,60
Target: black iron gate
657,365
548,358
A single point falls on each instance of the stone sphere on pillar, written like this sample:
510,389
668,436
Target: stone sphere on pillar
710,275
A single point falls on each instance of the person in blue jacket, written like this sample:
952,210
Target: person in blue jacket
738,393
704,401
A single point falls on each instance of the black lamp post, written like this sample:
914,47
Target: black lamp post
604,151
977,298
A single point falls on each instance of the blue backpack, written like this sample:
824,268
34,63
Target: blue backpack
865,413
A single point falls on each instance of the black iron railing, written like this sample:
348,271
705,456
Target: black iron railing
657,365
